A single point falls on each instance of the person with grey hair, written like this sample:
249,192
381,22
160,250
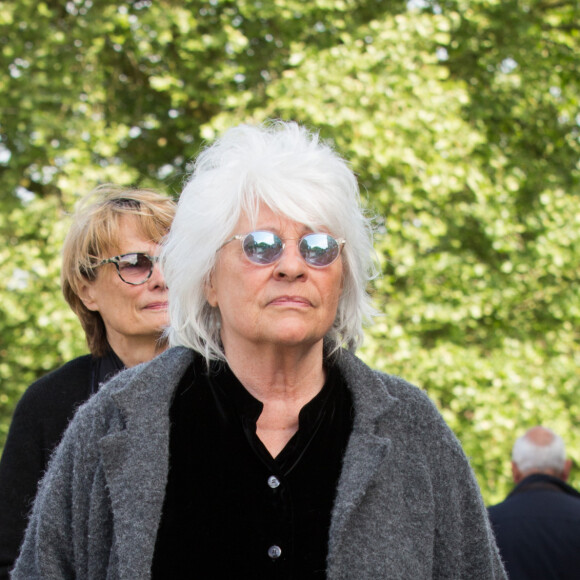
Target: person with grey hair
537,526
259,446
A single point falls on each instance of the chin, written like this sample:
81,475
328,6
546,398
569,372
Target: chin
153,330
157,318
292,340
298,334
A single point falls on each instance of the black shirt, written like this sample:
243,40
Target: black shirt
231,510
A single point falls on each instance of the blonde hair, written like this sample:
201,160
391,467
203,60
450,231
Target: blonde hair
95,231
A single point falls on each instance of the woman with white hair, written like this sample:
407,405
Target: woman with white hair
259,447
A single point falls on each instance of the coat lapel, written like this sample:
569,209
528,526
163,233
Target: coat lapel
366,449
135,460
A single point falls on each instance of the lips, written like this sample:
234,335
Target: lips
156,306
290,301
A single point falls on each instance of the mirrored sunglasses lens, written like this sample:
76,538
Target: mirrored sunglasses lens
262,247
319,250
135,267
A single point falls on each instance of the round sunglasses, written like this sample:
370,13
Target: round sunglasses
134,268
263,248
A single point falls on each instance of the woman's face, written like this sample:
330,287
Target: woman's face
285,303
130,313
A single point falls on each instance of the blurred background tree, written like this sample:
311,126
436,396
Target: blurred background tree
460,118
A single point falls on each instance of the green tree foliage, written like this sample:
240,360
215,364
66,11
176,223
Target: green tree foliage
460,119
99,91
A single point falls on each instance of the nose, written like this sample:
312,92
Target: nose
290,266
157,279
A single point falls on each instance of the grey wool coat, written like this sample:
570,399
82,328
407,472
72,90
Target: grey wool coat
407,504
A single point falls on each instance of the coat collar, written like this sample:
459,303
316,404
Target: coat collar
543,481
368,446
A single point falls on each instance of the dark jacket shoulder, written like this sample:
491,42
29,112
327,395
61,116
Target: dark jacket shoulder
40,418
537,529
143,391
394,406
71,380
539,495
54,397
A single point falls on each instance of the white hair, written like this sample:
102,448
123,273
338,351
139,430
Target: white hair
289,169
528,455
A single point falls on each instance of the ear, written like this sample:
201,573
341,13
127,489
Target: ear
566,470
87,295
516,473
211,292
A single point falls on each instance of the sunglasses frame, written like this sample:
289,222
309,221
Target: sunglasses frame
116,259
242,237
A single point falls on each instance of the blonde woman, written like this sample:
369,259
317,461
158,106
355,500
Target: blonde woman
113,283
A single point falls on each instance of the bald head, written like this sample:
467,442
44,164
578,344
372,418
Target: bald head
539,450
541,436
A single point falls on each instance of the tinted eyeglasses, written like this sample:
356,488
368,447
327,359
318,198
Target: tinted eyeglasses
134,268
264,248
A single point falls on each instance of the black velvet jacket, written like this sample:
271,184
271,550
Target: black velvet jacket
230,507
